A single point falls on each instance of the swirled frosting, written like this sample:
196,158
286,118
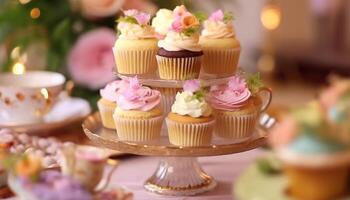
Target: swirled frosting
113,90
187,104
129,31
232,96
162,21
177,41
138,97
217,29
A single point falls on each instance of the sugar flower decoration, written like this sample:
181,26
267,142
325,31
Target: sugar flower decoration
192,85
219,15
135,17
184,22
237,83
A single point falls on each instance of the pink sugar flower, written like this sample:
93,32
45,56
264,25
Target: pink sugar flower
91,61
134,83
142,18
180,10
237,84
192,85
217,16
176,25
284,132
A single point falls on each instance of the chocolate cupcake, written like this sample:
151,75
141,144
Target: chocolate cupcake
179,56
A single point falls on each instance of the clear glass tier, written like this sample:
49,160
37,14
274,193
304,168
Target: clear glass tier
161,147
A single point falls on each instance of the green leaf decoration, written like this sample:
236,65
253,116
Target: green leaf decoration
190,31
228,16
199,95
201,16
254,82
269,166
127,19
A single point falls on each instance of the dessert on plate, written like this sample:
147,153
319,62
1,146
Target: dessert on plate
138,116
315,159
190,122
237,106
179,56
107,103
219,43
136,47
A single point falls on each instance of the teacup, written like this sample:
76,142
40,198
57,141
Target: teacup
25,98
87,164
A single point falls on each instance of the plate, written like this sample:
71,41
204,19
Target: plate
253,184
108,138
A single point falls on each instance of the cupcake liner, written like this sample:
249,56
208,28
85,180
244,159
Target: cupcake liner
231,126
138,130
220,61
106,113
317,184
179,68
190,134
136,61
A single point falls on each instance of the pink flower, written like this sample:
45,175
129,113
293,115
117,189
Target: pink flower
237,83
176,25
143,18
97,8
284,132
216,16
134,83
180,10
192,85
91,60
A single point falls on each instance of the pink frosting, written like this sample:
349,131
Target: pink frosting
114,89
138,97
231,96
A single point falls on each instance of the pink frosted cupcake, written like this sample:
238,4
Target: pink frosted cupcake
138,116
107,103
236,107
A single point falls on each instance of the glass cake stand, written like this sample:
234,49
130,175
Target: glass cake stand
178,172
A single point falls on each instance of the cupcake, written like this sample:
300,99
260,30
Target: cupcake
136,48
179,56
316,165
190,122
138,116
236,107
162,22
220,47
107,103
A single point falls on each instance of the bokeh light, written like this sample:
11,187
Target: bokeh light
35,13
18,68
271,17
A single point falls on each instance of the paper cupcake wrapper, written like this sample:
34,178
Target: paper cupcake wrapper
179,68
317,184
136,61
138,130
190,134
106,113
220,61
233,126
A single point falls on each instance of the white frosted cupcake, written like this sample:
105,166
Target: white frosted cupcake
136,48
162,22
107,103
220,47
190,122
138,116
180,55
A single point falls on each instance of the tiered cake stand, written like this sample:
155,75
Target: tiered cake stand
178,172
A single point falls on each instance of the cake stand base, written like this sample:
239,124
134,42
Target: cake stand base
179,176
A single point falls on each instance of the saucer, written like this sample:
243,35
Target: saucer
66,111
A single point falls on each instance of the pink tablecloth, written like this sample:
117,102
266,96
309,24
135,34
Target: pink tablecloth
225,169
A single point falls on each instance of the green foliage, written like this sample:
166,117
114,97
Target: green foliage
127,19
254,82
190,31
228,16
199,95
201,16
269,166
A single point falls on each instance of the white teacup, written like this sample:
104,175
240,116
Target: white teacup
25,98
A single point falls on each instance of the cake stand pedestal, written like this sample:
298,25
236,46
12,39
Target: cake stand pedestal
178,172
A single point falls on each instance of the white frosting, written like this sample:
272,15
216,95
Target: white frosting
217,29
186,104
129,31
162,21
179,41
